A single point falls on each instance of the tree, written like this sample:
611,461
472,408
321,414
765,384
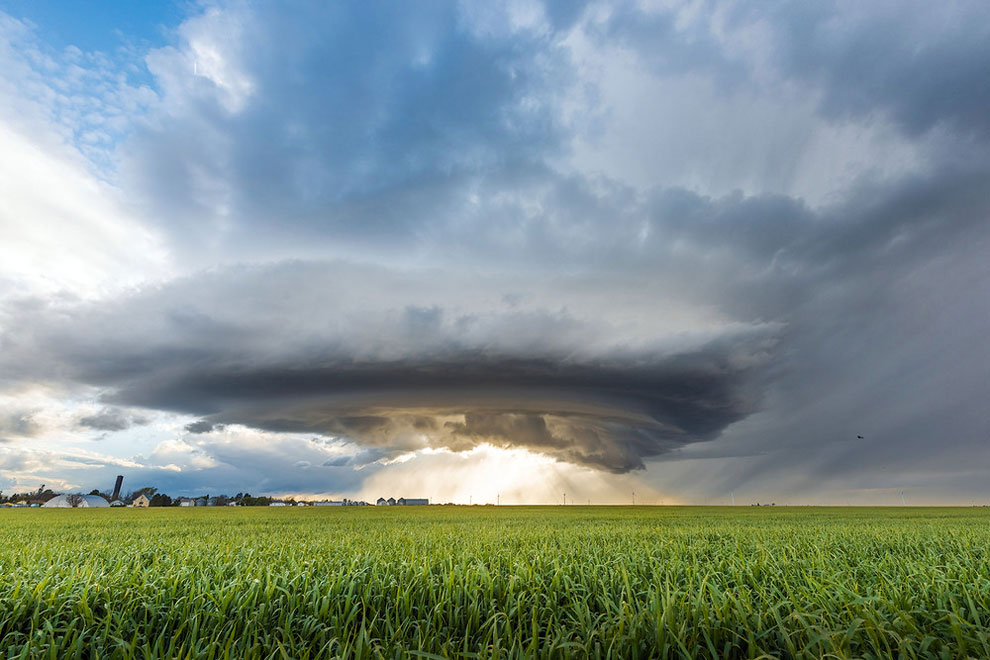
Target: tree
160,499
74,499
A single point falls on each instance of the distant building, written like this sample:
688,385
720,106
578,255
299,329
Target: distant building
117,503
277,503
329,503
402,501
73,501
187,501
140,501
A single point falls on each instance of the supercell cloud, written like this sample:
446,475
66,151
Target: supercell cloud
702,247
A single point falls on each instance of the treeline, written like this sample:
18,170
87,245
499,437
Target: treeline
155,498
163,499
39,496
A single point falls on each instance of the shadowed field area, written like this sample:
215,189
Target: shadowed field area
486,582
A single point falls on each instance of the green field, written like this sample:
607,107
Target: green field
495,582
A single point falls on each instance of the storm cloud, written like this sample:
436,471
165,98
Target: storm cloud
451,376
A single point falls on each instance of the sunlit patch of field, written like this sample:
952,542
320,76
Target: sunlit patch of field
495,582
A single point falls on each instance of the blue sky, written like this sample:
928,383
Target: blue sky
100,26
459,250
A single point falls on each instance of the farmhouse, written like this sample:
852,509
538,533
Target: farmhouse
140,501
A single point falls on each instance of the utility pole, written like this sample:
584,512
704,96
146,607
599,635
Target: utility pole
565,499
498,499
634,498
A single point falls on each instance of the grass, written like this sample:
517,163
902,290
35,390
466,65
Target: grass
495,583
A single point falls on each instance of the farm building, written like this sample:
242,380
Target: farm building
402,501
140,501
329,503
187,501
77,501
278,503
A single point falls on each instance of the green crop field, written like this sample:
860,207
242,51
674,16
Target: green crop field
464,582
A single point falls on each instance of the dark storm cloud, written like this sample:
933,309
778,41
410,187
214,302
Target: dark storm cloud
401,378
111,419
18,423
608,415
202,426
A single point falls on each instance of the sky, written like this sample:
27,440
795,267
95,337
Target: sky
662,252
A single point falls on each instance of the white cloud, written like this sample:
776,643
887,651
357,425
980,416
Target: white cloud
63,228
